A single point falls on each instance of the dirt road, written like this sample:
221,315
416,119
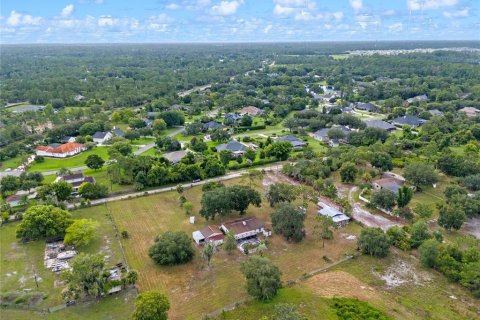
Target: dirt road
367,218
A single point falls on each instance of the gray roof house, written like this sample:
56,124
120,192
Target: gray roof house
176,156
380,124
233,146
411,121
212,125
101,137
389,183
321,134
118,132
232,117
294,141
366,106
435,112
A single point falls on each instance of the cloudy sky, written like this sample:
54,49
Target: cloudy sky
93,21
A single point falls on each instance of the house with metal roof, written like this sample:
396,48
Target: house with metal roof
245,227
209,234
339,218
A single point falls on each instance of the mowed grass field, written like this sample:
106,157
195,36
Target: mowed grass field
192,289
18,260
75,161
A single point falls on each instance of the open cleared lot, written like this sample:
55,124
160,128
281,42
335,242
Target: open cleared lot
395,285
18,260
189,286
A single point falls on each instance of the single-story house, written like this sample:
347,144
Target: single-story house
470,111
175,156
212,125
388,182
339,218
21,109
380,124
76,180
57,150
245,228
322,135
232,117
411,121
67,139
118,132
251,111
211,234
419,98
294,141
366,107
15,200
327,88
435,112
235,147
101,137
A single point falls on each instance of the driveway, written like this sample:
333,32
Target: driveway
367,218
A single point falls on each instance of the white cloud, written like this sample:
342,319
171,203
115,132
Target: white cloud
365,21
396,27
415,5
67,11
225,8
389,12
17,19
267,28
172,6
457,14
356,5
293,7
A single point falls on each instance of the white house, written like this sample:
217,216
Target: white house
101,137
57,150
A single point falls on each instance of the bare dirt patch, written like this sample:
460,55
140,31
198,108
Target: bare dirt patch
403,273
340,284
472,226
273,177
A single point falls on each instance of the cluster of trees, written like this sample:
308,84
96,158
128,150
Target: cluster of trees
458,265
222,201
26,181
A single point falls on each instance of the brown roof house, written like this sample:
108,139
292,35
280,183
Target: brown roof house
251,111
57,150
470,111
209,234
76,180
245,228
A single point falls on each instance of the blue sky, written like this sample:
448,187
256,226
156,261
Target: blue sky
100,21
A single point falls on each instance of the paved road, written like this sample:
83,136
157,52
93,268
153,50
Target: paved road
151,145
232,175
366,217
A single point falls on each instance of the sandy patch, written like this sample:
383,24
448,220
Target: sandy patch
401,273
340,284
273,177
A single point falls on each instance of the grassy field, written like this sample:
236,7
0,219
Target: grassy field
419,294
18,260
188,286
75,161
340,56
115,307
143,141
11,163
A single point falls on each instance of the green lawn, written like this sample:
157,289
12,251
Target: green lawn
150,152
76,161
143,141
458,150
340,56
12,163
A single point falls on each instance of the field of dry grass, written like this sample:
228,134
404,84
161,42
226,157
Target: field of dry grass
189,286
